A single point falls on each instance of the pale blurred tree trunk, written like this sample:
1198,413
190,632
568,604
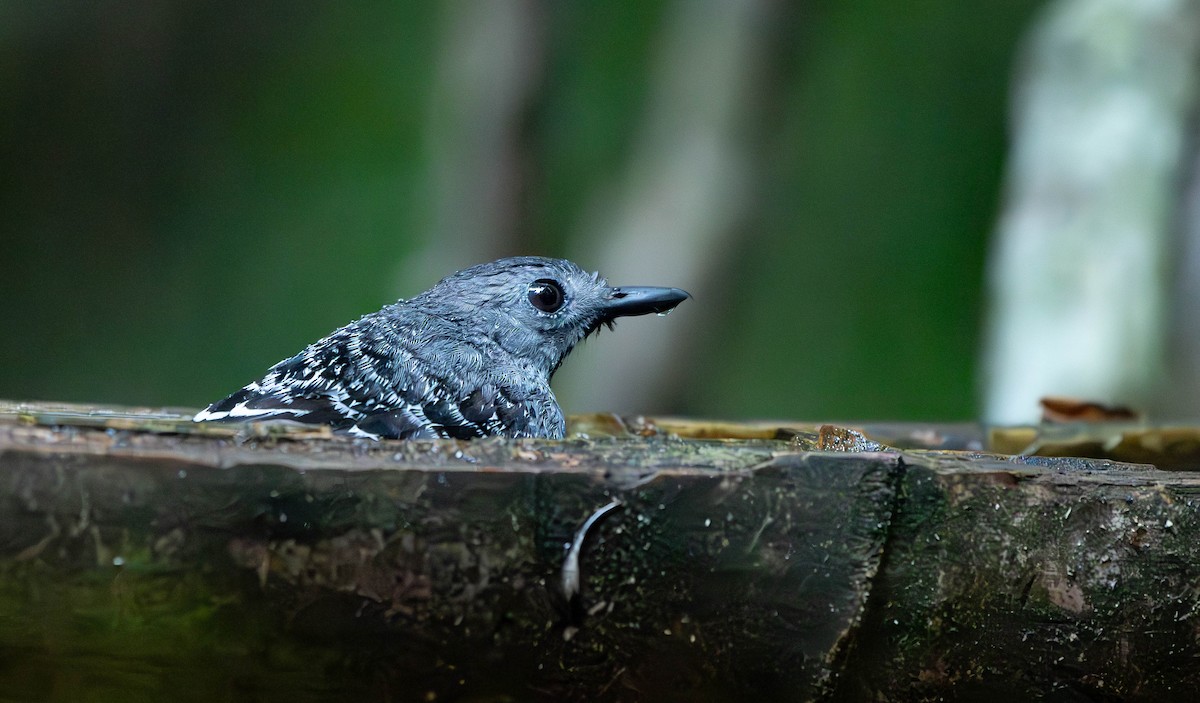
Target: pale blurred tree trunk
489,68
1078,282
674,214
1181,398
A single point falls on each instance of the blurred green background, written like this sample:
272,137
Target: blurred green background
192,191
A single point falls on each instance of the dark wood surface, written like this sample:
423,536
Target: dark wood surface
145,558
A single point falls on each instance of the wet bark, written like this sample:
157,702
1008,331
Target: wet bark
142,556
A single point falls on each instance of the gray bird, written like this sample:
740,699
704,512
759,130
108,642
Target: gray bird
470,357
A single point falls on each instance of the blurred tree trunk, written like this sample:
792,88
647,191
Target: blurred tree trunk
675,212
1179,398
488,75
1102,107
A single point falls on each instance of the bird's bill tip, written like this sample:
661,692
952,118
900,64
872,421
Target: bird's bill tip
625,301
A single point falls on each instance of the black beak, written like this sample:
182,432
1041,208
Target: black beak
641,300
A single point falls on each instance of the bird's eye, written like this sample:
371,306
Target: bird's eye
546,295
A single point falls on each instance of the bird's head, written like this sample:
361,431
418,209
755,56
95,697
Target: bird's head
537,308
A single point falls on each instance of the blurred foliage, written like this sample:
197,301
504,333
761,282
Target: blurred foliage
191,191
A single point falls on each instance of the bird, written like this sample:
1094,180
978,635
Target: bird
470,357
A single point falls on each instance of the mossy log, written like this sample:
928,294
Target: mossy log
145,558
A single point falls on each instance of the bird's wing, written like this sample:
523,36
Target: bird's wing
480,412
315,386
335,381
376,388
